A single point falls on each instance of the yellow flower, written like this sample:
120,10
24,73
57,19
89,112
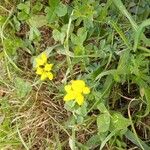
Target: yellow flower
43,76
75,91
39,71
50,75
45,73
43,68
48,67
41,60
80,99
78,85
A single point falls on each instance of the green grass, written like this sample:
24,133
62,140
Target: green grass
104,43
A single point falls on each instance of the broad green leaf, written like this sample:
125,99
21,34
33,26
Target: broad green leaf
74,39
24,7
22,16
79,50
12,44
58,36
22,87
118,122
61,10
101,107
24,11
37,7
80,37
103,122
82,111
34,34
82,33
37,21
51,10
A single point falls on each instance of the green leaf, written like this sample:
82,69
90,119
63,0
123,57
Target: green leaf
79,50
22,87
34,21
129,135
82,111
51,11
138,33
24,7
103,122
118,122
70,105
80,37
12,44
101,107
61,10
22,16
147,96
58,36
107,139
17,24
37,7
93,141
123,64
121,33
2,20
34,34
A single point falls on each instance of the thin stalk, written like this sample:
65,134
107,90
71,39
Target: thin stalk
134,131
66,43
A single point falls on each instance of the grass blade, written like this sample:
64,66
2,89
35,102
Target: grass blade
139,32
130,136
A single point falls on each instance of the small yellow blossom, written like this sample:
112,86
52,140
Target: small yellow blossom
39,71
43,76
43,68
48,67
41,60
76,90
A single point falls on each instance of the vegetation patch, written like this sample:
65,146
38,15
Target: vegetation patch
74,74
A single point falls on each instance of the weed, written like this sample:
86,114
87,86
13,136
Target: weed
94,93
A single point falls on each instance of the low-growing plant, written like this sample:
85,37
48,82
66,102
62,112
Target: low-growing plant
75,74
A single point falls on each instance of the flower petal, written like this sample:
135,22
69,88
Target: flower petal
43,76
39,62
44,57
78,85
69,96
48,67
86,90
39,71
50,75
80,99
